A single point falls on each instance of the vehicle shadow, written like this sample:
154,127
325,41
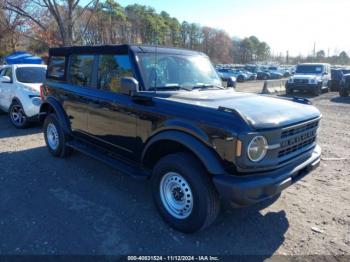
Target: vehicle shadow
342,100
78,206
8,130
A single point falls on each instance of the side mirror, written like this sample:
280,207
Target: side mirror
231,82
129,86
6,79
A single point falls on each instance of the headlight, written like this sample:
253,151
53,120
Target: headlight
36,101
257,148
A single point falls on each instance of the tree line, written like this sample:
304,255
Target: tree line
36,25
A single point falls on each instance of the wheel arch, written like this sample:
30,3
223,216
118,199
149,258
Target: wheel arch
172,141
51,105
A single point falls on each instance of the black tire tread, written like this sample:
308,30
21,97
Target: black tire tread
64,151
26,123
202,177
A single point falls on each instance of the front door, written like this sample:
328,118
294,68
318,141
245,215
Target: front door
111,120
6,89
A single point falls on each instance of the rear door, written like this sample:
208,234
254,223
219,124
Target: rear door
76,94
111,120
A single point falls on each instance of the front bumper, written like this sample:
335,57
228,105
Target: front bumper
302,86
250,189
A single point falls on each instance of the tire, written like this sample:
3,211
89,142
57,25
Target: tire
317,91
289,91
343,92
240,79
55,138
17,116
184,173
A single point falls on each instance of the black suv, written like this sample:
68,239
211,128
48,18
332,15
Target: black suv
162,113
344,89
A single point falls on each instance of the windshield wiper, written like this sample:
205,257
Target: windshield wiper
165,88
207,86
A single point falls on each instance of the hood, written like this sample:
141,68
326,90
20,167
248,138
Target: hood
262,112
31,88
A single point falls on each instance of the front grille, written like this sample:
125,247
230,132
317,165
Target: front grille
296,138
301,81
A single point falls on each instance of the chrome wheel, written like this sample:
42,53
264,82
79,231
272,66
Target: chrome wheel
17,115
176,195
52,136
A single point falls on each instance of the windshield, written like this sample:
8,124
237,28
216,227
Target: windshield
169,71
309,69
31,75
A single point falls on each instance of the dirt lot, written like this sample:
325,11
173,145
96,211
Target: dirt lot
80,206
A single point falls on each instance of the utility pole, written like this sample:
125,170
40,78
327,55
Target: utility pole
287,57
314,50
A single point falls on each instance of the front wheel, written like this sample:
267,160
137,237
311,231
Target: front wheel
55,138
343,92
184,193
240,79
317,91
17,116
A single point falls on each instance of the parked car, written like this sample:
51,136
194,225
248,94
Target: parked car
274,72
345,71
310,77
260,74
250,75
20,92
344,87
263,75
161,113
337,76
239,75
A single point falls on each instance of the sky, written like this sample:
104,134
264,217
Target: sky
286,25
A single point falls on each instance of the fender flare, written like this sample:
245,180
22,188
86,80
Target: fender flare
59,111
210,161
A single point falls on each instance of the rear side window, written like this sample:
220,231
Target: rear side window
56,67
80,70
110,71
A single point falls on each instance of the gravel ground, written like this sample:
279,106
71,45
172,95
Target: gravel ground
80,206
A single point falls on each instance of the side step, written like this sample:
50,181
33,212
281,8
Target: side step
106,157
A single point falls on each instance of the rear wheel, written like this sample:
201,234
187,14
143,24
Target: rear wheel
17,116
184,193
55,138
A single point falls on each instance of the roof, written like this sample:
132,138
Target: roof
118,49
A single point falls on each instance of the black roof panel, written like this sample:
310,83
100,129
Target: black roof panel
118,49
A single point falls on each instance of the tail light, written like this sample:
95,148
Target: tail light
42,92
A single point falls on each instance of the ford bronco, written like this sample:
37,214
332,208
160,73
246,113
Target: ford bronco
162,113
